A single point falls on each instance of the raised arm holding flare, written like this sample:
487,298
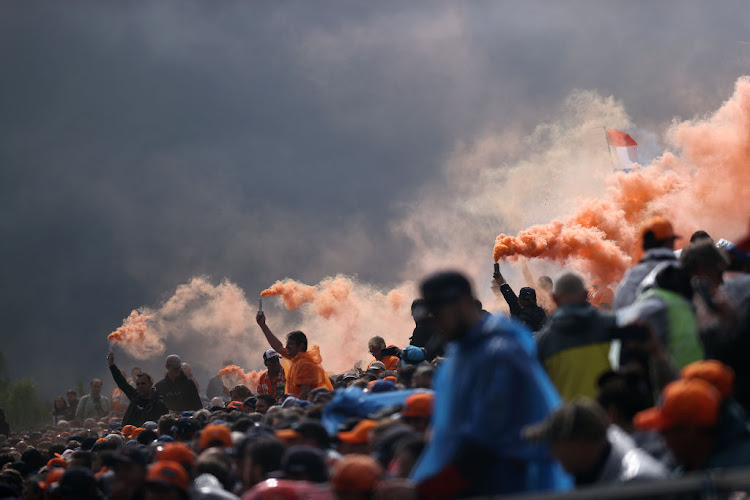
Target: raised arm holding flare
305,372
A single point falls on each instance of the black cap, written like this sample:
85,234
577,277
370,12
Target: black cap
305,461
132,455
445,287
527,293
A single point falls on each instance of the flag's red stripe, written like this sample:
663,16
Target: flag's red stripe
619,138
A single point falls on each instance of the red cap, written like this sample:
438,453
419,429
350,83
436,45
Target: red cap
692,403
57,462
216,435
418,405
356,473
714,372
168,473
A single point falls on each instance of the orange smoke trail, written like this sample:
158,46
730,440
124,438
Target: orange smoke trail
234,375
292,293
703,187
136,337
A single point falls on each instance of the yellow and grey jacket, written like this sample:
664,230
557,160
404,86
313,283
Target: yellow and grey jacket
574,348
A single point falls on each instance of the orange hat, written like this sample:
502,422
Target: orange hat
360,434
693,402
57,462
176,452
714,372
391,378
53,476
356,473
128,430
660,227
235,405
216,435
418,405
371,384
136,432
168,473
287,435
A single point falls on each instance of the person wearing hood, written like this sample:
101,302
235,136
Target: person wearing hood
305,372
176,389
574,345
524,307
145,402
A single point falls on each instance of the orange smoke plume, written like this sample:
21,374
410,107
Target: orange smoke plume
234,375
703,186
292,293
136,337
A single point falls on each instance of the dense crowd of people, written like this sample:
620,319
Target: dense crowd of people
577,385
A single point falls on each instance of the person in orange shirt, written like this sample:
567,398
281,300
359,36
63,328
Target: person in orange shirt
376,345
305,372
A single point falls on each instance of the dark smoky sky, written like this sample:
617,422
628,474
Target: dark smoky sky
142,143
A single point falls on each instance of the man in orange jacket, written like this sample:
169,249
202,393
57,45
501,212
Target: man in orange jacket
305,372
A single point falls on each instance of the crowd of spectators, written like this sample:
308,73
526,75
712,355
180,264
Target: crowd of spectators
578,385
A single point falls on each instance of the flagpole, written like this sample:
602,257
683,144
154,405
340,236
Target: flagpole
609,150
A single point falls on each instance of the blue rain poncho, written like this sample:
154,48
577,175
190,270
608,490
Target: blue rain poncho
488,389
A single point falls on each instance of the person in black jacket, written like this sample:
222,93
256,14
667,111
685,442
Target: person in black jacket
178,392
145,402
524,307
425,334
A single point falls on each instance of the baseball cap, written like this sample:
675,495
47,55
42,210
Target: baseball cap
360,433
287,435
443,288
350,375
580,419
376,365
305,461
270,353
57,462
128,430
216,435
714,372
356,473
660,227
412,355
235,405
418,405
527,292
168,473
692,402
132,455
176,452
383,386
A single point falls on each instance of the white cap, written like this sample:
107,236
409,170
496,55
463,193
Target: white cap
270,353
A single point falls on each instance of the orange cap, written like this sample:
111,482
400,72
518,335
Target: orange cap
418,405
356,473
287,435
168,473
136,432
360,434
660,227
128,430
51,477
693,403
176,452
57,462
714,372
216,435
235,405
391,378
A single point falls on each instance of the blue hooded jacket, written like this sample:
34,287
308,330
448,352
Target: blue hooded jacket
488,389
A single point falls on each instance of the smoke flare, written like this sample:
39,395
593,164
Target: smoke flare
234,375
703,186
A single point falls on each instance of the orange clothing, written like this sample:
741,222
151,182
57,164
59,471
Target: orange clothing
305,369
390,362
